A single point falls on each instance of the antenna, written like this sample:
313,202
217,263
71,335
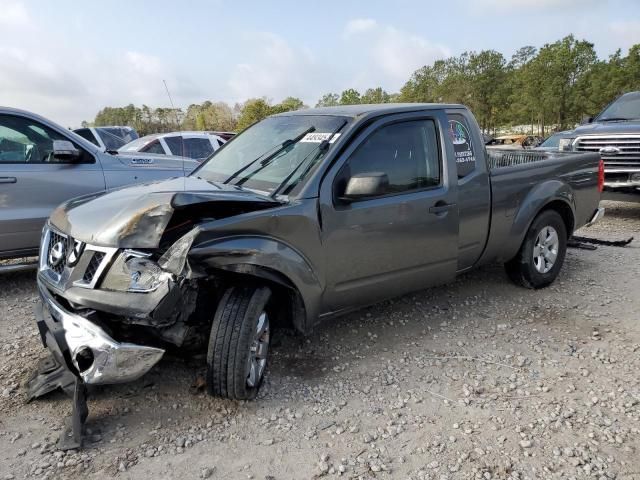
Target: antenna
177,123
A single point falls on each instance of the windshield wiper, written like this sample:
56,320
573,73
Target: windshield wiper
322,147
263,162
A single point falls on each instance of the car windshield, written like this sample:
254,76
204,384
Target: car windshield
137,144
627,107
110,139
552,142
267,154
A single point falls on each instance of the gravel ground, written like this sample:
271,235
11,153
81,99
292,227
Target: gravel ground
476,379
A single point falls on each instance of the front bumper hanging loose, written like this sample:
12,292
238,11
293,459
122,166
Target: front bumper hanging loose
87,349
82,354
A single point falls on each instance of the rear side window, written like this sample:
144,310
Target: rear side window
197,148
407,152
465,150
153,147
175,144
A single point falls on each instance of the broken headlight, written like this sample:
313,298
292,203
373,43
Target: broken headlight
134,272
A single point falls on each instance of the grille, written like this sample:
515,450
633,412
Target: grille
56,239
628,154
92,268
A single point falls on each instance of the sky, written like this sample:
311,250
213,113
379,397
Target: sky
68,59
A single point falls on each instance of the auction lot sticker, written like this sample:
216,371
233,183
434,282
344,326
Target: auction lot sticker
319,137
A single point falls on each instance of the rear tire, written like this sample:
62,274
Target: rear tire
239,343
542,253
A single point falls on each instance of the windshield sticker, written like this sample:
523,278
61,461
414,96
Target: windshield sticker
319,137
462,146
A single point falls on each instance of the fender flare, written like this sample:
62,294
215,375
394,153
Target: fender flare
539,198
267,258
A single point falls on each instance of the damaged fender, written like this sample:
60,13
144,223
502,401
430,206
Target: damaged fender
268,258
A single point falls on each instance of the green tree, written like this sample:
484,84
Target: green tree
329,100
253,110
557,69
375,95
350,97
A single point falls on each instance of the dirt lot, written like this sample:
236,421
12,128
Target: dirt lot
477,379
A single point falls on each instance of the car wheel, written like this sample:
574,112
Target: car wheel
542,253
239,343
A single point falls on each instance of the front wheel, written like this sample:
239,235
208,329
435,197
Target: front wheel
542,253
239,343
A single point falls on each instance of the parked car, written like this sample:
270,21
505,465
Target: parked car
615,135
552,142
43,165
195,145
108,138
523,142
355,204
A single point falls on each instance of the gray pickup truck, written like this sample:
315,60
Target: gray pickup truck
303,216
43,165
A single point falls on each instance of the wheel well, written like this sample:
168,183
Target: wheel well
286,299
564,211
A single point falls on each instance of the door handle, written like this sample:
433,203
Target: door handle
8,179
439,208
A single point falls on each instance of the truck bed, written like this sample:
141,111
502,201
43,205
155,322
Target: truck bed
521,183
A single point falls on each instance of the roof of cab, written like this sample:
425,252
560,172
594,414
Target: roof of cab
363,109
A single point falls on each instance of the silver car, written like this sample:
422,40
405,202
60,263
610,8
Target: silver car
43,164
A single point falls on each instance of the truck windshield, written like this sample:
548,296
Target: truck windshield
242,160
627,107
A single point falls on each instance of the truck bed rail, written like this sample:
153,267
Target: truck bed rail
509,158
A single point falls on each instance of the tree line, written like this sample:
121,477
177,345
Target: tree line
553,87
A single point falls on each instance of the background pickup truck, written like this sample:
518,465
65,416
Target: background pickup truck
615,135
303,216
43,164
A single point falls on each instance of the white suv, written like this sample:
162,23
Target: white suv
195,145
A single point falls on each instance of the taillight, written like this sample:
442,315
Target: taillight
600,176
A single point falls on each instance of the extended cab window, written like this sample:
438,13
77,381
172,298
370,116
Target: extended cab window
406,152
463,146
25,141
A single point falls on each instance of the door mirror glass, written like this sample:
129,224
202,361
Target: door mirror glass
363,185
65,150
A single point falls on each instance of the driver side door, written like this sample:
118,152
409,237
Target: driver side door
33,182
403,238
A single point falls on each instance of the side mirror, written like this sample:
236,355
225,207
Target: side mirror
586,119
363,185
65,150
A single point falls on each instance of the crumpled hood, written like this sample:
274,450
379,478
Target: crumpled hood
608,128
136,216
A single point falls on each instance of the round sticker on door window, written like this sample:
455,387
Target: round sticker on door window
462,146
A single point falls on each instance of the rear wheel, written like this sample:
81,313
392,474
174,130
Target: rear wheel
542,253
239,343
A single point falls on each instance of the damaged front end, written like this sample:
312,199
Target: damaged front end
117,289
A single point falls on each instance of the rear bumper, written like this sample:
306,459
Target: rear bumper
86,349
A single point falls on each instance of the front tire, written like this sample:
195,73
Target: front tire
239,343
542,253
